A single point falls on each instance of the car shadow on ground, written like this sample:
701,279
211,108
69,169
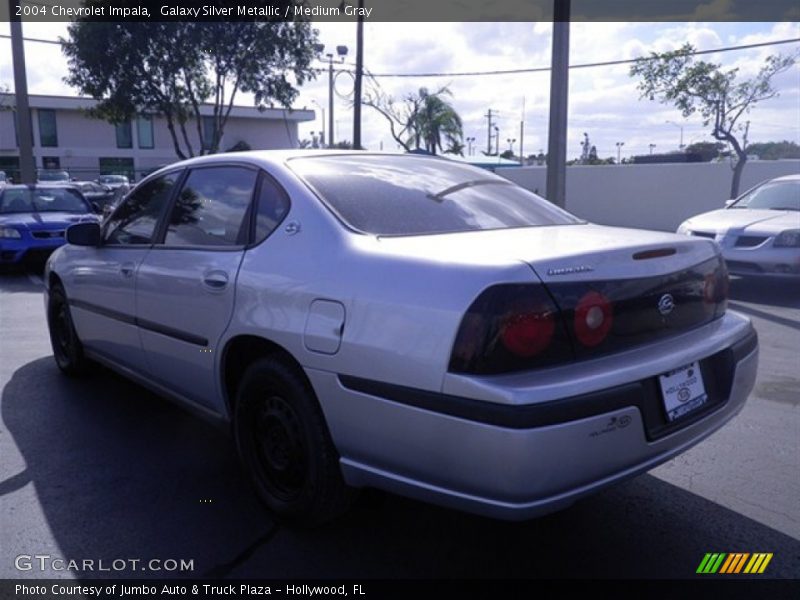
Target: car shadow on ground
771,291
120,473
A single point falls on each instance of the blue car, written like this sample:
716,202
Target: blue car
34,218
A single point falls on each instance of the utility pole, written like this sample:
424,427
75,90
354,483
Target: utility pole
330,100
359,74
489,132
26,165
559,89
522,133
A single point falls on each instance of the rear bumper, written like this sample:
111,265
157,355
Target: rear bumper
516,461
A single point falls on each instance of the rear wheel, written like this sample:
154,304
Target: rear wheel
67,348
285,445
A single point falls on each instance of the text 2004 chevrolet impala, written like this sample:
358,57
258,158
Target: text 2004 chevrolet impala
405,323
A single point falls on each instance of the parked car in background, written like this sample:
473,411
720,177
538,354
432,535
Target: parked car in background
52,176
113,181
33,219
96,193
759,232
407,323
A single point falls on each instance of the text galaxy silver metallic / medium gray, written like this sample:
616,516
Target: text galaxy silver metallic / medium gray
406,323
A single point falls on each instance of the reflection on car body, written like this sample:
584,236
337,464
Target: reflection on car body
406,323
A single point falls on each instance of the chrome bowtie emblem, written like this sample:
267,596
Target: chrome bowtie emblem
665,304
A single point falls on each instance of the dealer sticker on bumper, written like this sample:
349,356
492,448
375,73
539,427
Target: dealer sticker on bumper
683,390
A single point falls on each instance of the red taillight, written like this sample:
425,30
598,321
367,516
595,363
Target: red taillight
527,334
594,316
510,327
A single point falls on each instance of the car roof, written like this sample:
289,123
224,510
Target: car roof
276,157
792,177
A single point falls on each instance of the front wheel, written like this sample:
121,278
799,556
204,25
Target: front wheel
284,444
67,348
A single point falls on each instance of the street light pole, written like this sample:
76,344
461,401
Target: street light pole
651,149
619,147
322,133
680,146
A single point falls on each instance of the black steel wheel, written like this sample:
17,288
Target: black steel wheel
67,347
284,444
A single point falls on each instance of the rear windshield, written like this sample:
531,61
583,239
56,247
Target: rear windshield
408,195
28,200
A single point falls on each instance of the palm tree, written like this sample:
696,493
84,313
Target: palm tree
433,120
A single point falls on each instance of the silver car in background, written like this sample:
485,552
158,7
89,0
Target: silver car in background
759,232
405,323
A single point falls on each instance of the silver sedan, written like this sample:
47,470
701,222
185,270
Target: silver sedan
759,232
405,323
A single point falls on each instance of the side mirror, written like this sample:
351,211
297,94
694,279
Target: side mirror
729,202
96,208
84,234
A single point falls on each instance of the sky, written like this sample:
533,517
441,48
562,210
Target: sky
604,102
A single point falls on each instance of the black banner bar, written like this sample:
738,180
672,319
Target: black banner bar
398,10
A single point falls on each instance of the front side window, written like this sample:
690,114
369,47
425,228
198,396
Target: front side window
144,131
136,219
407,195
124,137
211,208
48,134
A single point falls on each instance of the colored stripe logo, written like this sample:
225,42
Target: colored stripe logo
734,563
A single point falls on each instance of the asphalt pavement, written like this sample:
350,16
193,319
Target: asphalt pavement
101,469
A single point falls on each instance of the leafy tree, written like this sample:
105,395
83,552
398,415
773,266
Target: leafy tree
707,150
774,150
697,86
419,120
455,147
173,68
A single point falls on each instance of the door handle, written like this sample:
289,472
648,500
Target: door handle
216,280
127,269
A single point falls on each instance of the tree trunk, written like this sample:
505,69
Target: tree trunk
737,174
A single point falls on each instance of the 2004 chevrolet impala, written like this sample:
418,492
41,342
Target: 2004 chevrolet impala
405,323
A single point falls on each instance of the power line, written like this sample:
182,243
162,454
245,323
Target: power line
518,71
584,65
41,41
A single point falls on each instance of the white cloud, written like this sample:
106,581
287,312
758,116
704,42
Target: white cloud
604,101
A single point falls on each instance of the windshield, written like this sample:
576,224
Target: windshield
408,195
774,195
53,176
27,200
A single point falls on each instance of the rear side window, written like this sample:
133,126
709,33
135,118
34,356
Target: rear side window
273,204
408,195
134,222
211,208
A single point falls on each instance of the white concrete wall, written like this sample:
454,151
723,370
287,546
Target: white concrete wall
649,196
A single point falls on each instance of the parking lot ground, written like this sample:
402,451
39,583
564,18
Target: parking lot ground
99,468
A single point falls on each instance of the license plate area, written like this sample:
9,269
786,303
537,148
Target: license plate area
683,391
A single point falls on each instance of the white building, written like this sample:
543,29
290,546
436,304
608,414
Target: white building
65,137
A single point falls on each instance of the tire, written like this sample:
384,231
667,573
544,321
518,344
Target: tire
285,445
67,347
